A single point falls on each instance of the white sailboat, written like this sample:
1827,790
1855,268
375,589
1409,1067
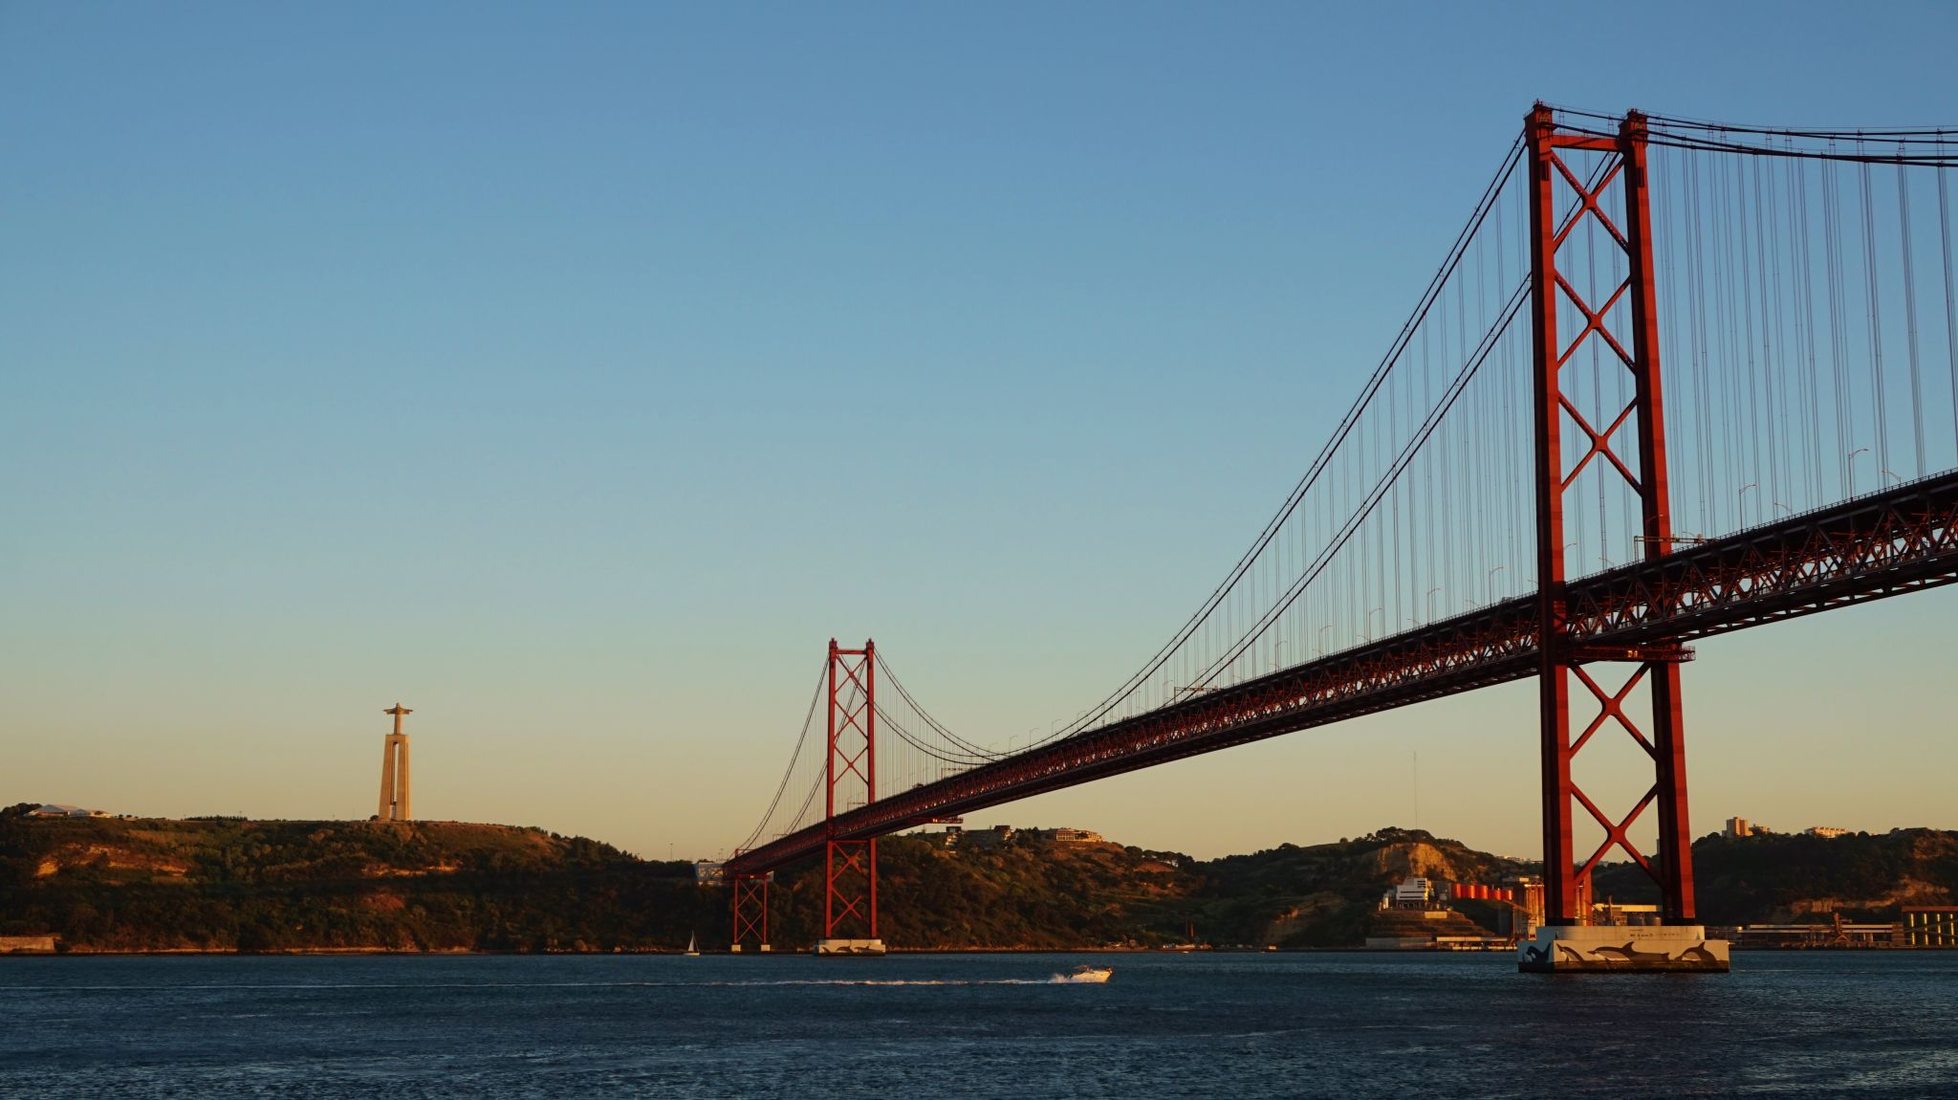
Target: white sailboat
693,947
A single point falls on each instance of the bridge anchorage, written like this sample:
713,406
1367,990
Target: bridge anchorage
1513,497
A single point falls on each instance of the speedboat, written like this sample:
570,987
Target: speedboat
1094,974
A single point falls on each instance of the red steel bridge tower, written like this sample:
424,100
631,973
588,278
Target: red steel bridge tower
1629,445
750,909
850,767
1568,418
849,783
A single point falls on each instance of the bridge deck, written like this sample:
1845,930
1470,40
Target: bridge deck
1883,544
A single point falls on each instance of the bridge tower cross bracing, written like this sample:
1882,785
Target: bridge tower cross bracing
1630,337
850,766
750,911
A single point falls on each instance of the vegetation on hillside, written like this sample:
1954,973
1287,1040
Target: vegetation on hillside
230,884
1036,892
234,885
1324,895
1030,893
1774,877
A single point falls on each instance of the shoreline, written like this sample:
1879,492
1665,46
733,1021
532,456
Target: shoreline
459,952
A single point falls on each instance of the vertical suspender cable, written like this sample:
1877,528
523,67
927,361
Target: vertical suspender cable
1910,320
1764,395
1950,300
1703,400
1798,172
1873,298
1832,247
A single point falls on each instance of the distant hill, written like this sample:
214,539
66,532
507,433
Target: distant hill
1324,895
237,885
1025,894
1777,878
224,884
1035,892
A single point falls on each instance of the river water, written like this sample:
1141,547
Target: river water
1861,1024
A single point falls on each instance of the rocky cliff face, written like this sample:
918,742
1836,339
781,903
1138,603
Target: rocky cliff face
1391,863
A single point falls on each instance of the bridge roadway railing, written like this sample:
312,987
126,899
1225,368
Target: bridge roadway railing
1898,540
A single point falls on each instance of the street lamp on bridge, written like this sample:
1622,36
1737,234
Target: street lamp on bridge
1849,463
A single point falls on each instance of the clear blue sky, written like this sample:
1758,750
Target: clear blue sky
574,373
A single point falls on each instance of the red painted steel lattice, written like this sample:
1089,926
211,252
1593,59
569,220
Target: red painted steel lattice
1619,634
1892,543
750,909
1904,539
850,864
1633,343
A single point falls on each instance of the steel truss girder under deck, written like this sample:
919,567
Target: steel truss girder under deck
1884,544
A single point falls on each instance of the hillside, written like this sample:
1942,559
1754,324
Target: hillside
1324,895
1768,878
236,885
226,884
1026,894
229,884
1035,892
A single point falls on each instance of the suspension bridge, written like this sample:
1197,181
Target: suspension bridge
1672,379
